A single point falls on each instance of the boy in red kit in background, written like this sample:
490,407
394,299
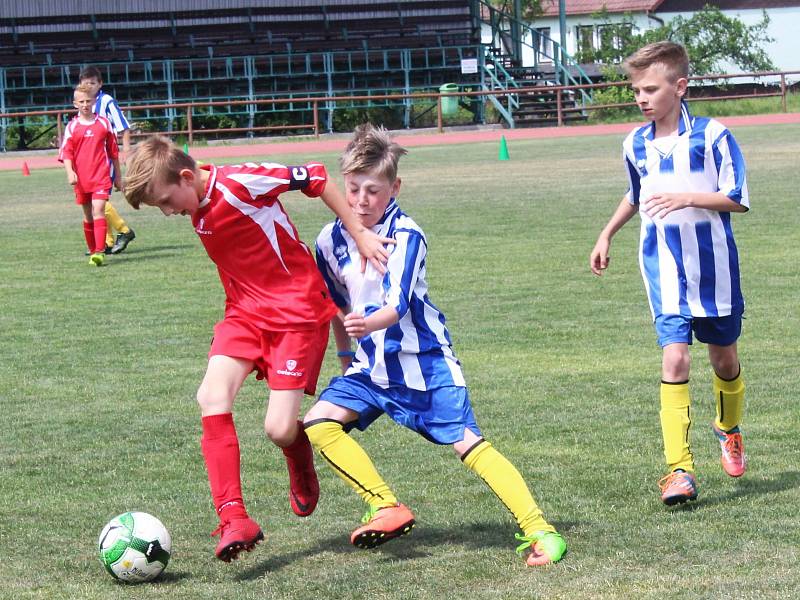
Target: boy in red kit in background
88,151
277,308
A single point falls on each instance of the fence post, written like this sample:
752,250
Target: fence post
189,124
783,92
439,123
316,119
59,129
558,108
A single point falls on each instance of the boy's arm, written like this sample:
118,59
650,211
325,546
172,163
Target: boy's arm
117,175
357,325
126,144
343,350
660,205
370,245
599,259
72,176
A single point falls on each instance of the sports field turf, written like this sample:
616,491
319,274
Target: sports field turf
99,369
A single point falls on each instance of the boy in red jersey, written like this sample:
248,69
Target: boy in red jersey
277,308
88,151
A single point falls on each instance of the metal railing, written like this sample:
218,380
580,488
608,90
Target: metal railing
308,120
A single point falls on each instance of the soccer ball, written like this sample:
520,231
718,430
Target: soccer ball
134,547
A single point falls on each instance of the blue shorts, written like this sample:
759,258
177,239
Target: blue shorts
439,415
720,331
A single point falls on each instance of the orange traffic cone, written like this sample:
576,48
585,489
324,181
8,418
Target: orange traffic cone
26,172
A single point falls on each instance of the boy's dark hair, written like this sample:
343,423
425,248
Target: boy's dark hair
89,73
669,54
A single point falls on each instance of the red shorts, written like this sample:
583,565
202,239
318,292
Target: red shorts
82,197
289,360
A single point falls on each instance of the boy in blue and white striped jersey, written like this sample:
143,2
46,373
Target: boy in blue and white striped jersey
686,175
404,364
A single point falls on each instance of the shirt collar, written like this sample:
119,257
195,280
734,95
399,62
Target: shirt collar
390,208
209,184
685,121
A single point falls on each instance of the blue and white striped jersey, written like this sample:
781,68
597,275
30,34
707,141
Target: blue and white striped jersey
688,259
416,351
107,107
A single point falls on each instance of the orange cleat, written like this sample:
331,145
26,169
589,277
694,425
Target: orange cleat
236,535
382,525
678,487
734,461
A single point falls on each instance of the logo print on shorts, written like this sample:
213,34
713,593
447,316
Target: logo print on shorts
290,365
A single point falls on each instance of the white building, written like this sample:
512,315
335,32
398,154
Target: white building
582,28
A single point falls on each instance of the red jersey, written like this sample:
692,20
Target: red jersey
91,148
269,275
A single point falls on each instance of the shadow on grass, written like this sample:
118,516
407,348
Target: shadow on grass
151,252
746,487
422,542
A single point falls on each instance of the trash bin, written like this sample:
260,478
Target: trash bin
449,103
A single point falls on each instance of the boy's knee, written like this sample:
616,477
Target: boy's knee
213,400
281,434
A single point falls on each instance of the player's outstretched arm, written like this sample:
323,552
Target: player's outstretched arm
599,258
371,246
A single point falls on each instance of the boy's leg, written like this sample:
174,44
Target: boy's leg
115,223
286,432
679,485
508,485
100,226
385,518
220,446
729,394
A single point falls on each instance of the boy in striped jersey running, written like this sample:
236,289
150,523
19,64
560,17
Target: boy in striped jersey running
687,175
404,364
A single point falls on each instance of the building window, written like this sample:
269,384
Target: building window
543,42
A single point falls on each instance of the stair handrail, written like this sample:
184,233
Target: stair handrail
564,64
491,72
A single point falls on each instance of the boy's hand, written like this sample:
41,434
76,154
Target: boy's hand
371,248
660,205
117,185
599,259
355,325
72,177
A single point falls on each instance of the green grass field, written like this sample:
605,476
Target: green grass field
100,368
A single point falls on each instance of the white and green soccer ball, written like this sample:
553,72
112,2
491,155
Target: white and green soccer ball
134,547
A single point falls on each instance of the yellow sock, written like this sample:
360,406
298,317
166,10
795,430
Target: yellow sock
507,484
350,462
730,401
114,220
675,423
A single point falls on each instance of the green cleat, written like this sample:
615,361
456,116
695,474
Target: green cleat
97,259
546,547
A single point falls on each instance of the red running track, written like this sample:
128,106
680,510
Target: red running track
334,144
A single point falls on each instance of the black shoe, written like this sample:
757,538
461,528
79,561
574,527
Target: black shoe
106,251
123,239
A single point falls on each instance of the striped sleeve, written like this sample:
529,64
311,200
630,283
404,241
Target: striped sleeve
403,268
111,111
324,251
731,178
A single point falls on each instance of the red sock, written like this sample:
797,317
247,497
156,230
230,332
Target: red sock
88,233
220,447
100,230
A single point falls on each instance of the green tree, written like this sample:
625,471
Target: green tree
710,37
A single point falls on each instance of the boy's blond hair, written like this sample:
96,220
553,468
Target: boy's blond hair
670,55
156,159
85,89
373,150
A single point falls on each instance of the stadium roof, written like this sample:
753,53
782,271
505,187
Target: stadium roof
587,7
